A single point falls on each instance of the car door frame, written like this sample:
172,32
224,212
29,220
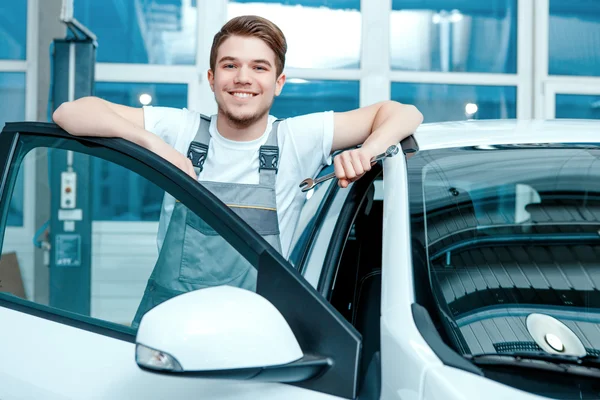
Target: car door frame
320,330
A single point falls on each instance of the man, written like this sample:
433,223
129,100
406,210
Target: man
247,158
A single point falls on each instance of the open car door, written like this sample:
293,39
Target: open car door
70,343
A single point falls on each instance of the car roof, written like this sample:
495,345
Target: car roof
506,131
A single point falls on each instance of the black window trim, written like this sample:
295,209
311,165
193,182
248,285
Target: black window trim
330,334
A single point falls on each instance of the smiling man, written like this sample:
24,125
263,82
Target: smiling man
249,159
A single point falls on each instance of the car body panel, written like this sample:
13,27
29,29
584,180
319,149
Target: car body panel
447,383
400,338
397,284
491,132
52,360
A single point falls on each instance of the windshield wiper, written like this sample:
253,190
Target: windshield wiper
588,366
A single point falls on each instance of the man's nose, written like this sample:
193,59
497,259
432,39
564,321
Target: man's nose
242,75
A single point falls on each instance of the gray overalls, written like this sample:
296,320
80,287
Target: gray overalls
194,256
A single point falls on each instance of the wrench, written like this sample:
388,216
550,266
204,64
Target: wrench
310,183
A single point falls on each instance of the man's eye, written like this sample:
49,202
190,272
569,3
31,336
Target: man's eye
258,67
228,66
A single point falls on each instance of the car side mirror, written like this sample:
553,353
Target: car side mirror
222,332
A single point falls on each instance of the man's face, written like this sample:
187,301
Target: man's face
244,80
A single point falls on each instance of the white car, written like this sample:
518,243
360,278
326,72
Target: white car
465,267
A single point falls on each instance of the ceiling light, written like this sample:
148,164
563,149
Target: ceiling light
471,108
145,99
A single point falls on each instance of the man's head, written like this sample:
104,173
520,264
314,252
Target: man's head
247,59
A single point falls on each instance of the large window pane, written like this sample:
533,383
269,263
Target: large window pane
142,31
577,106
13,29
121,195
319,33
574,37
12,99
300,96
440,102
454,35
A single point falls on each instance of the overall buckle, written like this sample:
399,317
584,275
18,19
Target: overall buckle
197,154
269,158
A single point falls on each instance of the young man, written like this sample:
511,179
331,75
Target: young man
242,154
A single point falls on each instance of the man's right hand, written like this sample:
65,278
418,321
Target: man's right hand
164,150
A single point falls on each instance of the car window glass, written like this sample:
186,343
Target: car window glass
106,272
515,239
306,226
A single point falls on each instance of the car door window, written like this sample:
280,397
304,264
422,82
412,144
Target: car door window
101,274
314,209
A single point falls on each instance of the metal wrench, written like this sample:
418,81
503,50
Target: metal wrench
310,183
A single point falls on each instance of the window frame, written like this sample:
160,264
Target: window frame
575,87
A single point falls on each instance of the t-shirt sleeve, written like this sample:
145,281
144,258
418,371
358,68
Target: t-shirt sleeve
312,135
165,122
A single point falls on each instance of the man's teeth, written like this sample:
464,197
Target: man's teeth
243,95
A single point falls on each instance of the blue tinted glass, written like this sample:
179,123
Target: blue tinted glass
574,37
13,29
319,33
120,195
458,102
454,35
145,32
300,96
577,106
12,98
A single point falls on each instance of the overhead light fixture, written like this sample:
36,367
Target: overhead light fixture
297,80
456,16
145,99
471,108
445,16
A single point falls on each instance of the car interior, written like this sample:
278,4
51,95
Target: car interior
352,270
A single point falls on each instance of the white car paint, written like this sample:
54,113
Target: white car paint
42,359
400,338
219,328
410,369
447,383
485,133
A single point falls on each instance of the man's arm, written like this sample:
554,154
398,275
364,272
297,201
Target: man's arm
376,127
92,116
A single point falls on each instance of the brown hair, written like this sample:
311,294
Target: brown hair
252,26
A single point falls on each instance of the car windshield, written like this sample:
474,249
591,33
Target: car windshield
509,237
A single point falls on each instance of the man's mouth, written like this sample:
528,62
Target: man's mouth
242,95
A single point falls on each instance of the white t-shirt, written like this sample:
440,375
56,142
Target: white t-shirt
304,147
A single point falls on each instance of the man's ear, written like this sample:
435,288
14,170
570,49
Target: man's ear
211,79
279,84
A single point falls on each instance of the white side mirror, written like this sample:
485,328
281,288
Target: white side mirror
219,328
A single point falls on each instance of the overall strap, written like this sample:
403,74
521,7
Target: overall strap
269,157
199,147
